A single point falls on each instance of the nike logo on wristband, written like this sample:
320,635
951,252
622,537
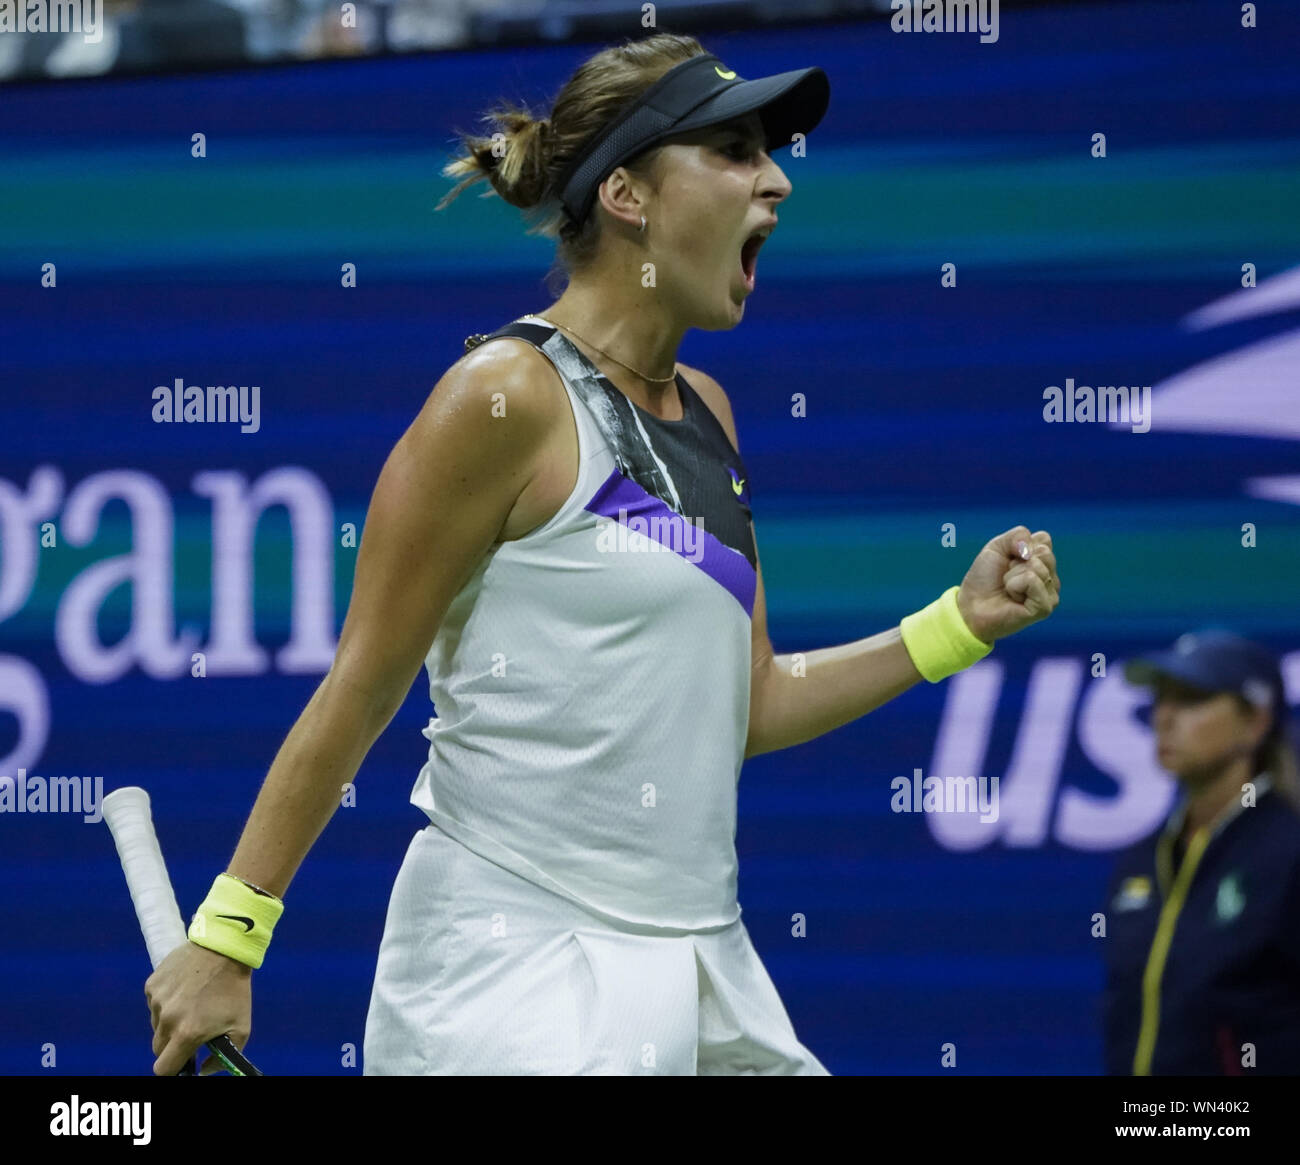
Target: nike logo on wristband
248,922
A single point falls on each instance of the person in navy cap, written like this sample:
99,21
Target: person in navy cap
1203,917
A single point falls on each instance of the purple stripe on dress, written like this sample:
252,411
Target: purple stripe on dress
629,504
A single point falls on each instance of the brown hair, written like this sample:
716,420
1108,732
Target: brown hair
1276,755
524,157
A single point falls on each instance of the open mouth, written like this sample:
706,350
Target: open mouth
749,257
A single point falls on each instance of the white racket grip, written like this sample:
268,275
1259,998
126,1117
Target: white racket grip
126,812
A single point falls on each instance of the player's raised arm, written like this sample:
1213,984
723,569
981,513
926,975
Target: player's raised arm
441,500
1012,583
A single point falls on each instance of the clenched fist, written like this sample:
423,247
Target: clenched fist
1011,584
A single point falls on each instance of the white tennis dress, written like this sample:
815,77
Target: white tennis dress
571,907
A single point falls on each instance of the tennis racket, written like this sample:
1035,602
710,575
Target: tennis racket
126,812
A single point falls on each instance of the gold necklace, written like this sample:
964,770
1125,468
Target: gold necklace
642,375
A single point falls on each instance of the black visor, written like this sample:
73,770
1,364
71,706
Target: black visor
697,93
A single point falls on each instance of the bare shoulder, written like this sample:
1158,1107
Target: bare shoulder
484,435
713,395
503,380
505,409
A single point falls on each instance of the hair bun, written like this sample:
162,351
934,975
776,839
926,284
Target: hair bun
522,156
520,171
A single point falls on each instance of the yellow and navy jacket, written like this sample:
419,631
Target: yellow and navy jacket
1203,946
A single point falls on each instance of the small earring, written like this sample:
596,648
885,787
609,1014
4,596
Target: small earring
642,222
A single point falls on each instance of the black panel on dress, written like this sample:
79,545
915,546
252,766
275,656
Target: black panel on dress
690,465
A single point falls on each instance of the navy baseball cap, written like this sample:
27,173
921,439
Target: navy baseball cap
1215,661
697,93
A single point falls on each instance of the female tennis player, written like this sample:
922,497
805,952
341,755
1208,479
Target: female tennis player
563,538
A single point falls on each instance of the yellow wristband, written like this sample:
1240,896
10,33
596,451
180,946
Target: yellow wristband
236,920
938,640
